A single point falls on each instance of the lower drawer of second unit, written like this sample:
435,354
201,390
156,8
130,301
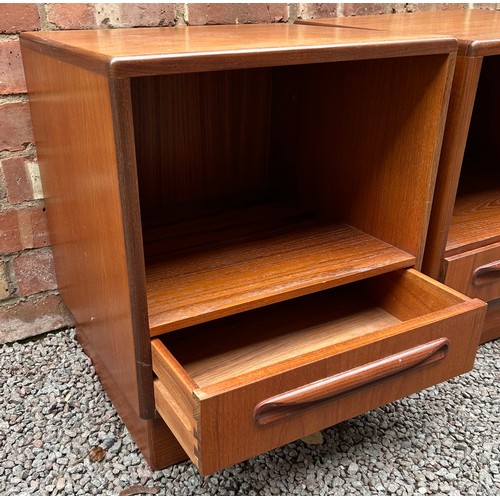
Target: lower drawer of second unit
475,273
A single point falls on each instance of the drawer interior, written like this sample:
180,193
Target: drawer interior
303,328
476,216
265,184
280,372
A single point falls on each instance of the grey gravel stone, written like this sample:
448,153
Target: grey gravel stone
352,469
441,441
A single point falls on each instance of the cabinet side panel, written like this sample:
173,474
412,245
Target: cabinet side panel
73,127
463,92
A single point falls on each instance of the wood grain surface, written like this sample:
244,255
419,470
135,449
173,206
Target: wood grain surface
476,215
216,282
304,398
476,273
491,322
211,258
376,174
73,124
477,31
462,97
475,221
256,340
201,138
153,51
483,151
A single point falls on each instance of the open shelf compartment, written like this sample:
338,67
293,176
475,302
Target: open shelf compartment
476,215
264,184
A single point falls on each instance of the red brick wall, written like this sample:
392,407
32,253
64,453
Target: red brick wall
29,301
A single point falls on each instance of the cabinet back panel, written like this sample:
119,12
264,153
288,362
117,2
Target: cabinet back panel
201,138
481,163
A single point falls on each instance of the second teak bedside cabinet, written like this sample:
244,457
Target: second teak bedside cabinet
238,217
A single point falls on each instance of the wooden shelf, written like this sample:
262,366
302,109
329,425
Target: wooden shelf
187,290
475,222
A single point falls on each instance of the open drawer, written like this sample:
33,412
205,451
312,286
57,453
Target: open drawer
238,386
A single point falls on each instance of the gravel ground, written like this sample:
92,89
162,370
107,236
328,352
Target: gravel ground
53,413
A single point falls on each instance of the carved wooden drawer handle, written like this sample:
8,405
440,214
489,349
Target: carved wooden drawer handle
485,274
341,384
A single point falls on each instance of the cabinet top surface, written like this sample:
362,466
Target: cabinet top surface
145,51
477,31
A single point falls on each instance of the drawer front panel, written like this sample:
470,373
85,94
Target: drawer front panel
229,431
233,423
491,328
475,273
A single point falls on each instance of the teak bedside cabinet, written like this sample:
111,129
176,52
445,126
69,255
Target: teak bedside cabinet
463,245
238,215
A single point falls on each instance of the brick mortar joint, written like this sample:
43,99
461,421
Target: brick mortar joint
45,25
14,98
292,12
8,257
5,206
14,301
5,37
29,152
180,14
10,278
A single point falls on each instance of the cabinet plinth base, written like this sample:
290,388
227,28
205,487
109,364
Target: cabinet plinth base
158,445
